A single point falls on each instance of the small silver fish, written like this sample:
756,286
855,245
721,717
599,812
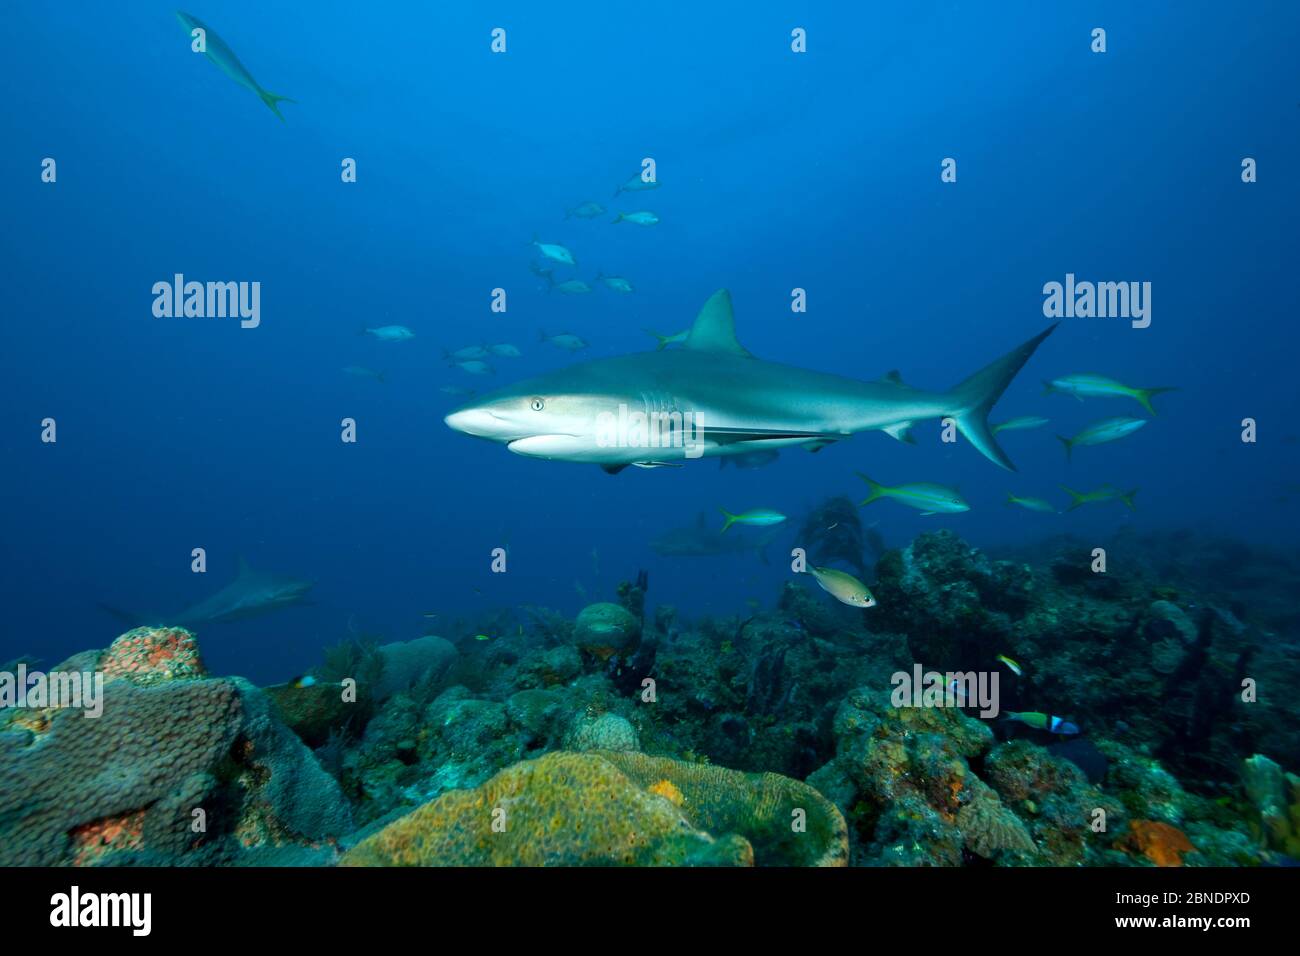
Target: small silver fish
638,218
391,333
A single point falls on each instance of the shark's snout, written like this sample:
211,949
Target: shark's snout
477,421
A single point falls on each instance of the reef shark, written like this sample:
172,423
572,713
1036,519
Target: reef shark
712,397
219,52
251,594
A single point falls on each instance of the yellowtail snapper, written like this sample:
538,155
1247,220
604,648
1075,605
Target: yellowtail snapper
1088,385
760,517
929,499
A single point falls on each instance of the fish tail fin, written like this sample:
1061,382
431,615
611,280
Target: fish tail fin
270,99
1047,387
1069,446
1144,395
1127,498
1076,498
974,398
731,519
877,490
617,219
1011,499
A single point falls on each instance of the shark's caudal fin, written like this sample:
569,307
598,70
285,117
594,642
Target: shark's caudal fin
270,99
974,398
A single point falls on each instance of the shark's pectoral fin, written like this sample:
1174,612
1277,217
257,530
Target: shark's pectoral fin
612,469
902,431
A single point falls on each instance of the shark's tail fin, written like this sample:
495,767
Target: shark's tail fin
976,396
270,99
1144,395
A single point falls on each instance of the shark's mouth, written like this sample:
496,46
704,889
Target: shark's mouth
546,446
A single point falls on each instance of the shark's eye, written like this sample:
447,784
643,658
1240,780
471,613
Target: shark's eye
537,404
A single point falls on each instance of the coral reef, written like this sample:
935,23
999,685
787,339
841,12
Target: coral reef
632,735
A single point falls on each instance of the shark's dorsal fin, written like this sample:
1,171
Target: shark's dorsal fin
715,327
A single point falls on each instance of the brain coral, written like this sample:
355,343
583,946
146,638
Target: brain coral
563,809
128,782
609,808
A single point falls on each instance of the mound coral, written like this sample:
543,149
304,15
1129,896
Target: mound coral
615,808
562,809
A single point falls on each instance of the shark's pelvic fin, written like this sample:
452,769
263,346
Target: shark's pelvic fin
715,327
975,397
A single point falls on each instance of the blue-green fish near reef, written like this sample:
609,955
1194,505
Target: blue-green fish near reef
586,210
1032,504
1104,493
220,53
637,218
390,333
555,252
723,400
1088,385
759,517
928,498
617,283
1098,433
569,287
1019,424
677,338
